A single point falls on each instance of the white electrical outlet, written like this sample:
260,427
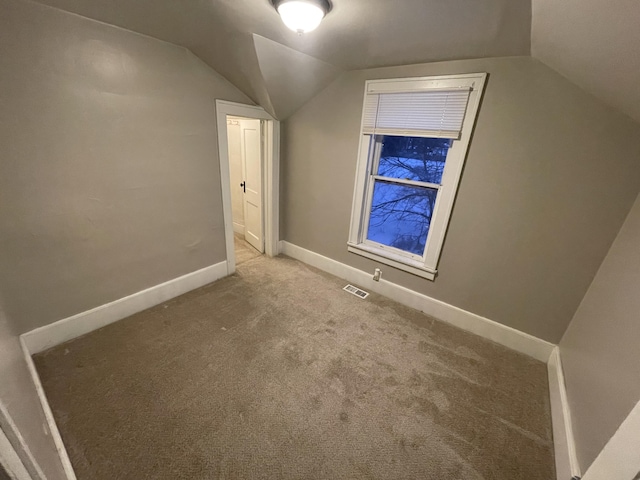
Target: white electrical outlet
377,274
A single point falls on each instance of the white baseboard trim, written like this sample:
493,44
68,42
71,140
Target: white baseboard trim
51,423
10,461
620,458
69,328
237,228
565,450
507,336
15,454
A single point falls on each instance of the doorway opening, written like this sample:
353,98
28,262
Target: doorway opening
248,140
245,140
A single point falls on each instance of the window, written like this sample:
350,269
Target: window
414,139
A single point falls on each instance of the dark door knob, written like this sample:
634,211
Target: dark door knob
244,186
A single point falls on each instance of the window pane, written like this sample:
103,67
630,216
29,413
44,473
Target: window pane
414,158
401,215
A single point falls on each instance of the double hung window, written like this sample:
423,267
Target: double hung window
414,139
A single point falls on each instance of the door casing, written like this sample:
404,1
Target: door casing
271,176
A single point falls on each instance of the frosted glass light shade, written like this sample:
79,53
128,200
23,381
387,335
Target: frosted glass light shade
301,16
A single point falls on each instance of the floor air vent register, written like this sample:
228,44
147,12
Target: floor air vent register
356,291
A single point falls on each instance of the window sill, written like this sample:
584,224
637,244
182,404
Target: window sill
397,261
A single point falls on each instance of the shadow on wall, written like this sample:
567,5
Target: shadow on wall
3,474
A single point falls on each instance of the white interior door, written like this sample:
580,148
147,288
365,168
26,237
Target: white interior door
250,133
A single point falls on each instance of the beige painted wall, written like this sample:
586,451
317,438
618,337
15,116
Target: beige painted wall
110,178
594,44
600,350
550,177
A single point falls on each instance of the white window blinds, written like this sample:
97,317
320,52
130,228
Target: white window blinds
435,113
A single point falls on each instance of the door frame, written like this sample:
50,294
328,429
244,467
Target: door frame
271,176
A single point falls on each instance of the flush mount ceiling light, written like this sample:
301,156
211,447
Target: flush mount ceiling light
302,16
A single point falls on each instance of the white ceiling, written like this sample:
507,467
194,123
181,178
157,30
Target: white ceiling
355,34
595,44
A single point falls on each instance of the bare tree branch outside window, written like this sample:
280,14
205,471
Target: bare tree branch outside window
400,213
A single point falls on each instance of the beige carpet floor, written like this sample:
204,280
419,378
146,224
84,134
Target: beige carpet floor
276,373
244,252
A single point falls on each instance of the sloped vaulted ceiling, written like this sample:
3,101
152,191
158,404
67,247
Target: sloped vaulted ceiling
290,77
595,44
355,34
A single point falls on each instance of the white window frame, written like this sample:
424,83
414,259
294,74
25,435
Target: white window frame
366,174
